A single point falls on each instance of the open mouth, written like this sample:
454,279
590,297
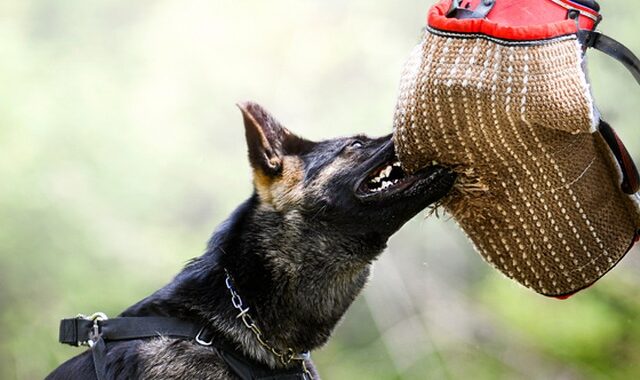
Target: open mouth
385,178
390,181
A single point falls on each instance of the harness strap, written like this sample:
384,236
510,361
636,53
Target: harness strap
98,332
244,371
99,355
76,331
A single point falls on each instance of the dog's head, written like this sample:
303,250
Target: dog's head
355,183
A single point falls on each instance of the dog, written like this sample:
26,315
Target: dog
294,256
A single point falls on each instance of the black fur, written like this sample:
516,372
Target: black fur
299,250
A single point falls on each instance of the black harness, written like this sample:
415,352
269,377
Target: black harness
97,331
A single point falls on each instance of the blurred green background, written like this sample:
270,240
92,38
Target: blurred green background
121,149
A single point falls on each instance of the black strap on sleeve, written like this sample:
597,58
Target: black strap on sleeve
630,177
612,48
609,46
460,12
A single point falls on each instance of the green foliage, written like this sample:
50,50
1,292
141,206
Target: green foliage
122,149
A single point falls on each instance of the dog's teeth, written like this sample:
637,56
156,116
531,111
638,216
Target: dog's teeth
383,181
387,171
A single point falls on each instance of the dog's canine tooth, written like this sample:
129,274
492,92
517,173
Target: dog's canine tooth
384,177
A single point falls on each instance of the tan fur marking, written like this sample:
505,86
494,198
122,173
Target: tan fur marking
285,191
328,173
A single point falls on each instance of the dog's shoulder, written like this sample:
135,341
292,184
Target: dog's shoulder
160,358
78,367
122,362
168,358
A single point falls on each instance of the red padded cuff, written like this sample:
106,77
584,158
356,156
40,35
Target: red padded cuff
516,20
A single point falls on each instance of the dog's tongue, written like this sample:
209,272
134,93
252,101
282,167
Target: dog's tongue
538,192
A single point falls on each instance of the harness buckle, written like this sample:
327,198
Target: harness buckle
94,333
201,341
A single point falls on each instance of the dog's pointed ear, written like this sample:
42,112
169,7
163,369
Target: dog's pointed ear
267,140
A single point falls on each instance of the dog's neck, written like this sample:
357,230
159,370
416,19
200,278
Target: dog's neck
297,276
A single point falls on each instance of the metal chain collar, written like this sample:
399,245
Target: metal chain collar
286,356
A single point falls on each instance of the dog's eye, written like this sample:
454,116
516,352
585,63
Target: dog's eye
356,144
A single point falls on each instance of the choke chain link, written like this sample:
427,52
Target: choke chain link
285,357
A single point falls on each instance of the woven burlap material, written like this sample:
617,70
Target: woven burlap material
538,191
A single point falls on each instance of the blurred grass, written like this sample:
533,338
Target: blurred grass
122,149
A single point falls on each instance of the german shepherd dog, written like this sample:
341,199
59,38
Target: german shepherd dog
297,252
